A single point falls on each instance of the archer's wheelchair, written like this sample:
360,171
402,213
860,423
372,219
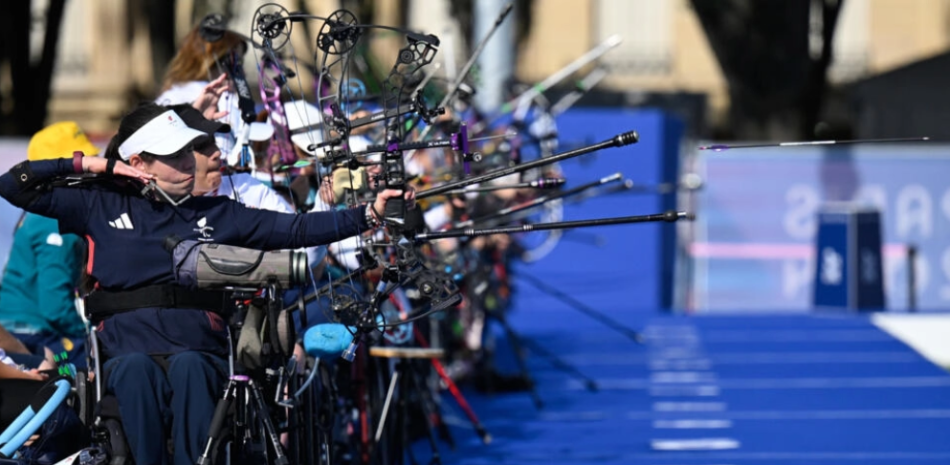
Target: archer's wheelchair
101,410
242,287
279,412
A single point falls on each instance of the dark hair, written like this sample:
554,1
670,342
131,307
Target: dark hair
130,123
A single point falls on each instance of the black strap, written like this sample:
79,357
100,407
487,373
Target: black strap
101,304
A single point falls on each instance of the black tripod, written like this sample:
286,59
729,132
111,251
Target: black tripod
515,340
241,388
518,344
406,380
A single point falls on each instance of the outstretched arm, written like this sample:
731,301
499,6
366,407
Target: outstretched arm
271,231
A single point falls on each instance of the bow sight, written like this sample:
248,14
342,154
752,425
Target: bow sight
342,125
457,141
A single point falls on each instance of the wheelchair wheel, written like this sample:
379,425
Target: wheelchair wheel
114,442
221,450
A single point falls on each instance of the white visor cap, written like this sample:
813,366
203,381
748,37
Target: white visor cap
165,134
305,123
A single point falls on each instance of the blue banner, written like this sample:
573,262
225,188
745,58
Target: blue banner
754,243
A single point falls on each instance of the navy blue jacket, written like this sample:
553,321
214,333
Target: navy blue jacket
125,233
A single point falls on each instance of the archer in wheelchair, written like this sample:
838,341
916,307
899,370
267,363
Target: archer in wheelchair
162,345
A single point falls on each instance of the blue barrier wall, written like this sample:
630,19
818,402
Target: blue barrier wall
623,266
754,247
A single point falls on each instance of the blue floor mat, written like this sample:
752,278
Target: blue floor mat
712,390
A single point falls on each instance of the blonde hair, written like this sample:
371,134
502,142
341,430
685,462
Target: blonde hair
196,57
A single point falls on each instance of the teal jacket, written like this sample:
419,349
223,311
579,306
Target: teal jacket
39,282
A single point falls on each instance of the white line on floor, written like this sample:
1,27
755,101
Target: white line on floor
682,377
694,444
668,365
689,406
692,424
746,358
685,391
782,383
910,414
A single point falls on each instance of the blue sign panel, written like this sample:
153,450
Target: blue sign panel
867,263
753,245
848,258
833,273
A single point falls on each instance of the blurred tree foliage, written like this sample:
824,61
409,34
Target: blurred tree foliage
25,81
774,55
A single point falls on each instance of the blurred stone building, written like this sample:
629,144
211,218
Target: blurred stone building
104,58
